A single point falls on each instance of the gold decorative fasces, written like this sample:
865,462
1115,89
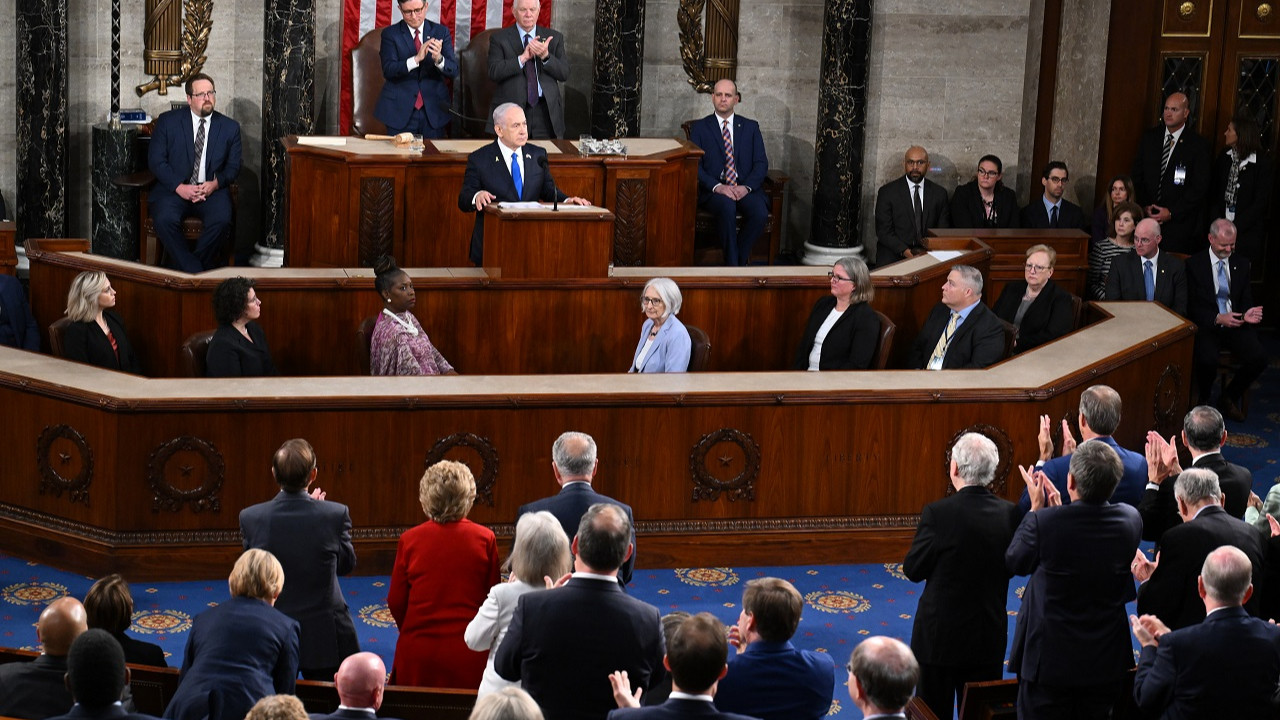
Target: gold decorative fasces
1004,446
712,56
65,462
725,461
1182,18
175,37
474,452
186,471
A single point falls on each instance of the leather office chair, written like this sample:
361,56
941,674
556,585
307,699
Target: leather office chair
884,342
150,249
701,350
1010,337
1077,310
475,89
366,84
365,333
56,332
706,246
194,351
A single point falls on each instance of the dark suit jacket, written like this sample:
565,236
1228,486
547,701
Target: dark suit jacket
1132,483
237,653
958,552
34,690
139,652
110,712
1224,667
1070,216
171,152
967,210
1048,317
677,710
895,218
775,681
17,325
562,645
1253,198
1159,508
1184,231
977,343
570,504
85,342
1171,594
312,540
401,87
1071,628
349,714
1202,301
505,47
487,169
1124,281
748,153
231,355
850,343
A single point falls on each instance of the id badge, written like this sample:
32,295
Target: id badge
1180,175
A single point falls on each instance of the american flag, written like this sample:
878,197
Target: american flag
464,18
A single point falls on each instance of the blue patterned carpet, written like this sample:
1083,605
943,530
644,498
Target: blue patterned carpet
844,603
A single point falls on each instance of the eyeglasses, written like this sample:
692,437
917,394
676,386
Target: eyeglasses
1035,268
416,11
651,301
1057,180
836,278
201,96
988,173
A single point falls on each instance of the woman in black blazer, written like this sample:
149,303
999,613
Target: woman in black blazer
1241,190
985,202
109,606
1047,314
239,347
843,329
96,336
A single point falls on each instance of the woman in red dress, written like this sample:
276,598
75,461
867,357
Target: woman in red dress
443,571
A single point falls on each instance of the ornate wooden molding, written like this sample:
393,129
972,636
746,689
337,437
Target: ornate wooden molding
166,495
1003,445
1167,400
377,204
630,222
707,483
488,475
51,479
160,34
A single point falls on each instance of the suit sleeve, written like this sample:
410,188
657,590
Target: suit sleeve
1252,217
1178,277
230,170
450,67
988,347
75,342
483,628
394,65
863,347
886,237
1112,291
1155,678
944,219
556,65
1139,174
706,180
346,551
754,178
222,360
1197,181
398,593
284,676
1156,513
158,155
918,565
679,349
245,540
961,217
502,64
1059,322
506,662
1023,555
470,186
1162,594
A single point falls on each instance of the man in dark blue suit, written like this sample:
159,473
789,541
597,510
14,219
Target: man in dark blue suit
1099,417
1224,667
562,644
195,156
1130,272
1220,303
960,332
360,682
417,57
574,463
1051,210
509,170
696,659
17,325
97,676
311,538
768,677
731,173
37,689
1071,648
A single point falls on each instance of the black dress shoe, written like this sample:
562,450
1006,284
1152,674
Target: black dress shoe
1231,410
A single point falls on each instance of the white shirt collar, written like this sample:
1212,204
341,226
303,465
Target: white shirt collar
677,695
596,576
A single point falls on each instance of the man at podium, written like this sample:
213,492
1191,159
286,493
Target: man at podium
507,170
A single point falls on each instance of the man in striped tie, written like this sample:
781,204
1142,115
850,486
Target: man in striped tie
731,173
1171,176
960,331
1220,303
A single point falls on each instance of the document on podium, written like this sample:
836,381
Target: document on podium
506,204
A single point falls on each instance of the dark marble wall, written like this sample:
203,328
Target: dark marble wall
842,120
41,70
288,98
618,75
115,211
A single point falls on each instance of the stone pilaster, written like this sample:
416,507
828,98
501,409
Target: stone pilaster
41,69
288,97
618,68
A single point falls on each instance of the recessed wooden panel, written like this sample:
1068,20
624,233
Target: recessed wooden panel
1258,20
1187,18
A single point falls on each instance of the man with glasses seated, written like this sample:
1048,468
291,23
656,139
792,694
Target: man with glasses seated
1052,211
417,57
195,156
1147,273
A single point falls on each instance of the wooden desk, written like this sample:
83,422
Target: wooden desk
546,243
348,204
1071,270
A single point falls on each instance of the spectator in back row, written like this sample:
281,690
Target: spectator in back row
1036,305
1171,176
36,690
97,677
985,202
239,346
1148,274
1052,211
960,332
109,606
96,333
907,209
1102,255
1120,191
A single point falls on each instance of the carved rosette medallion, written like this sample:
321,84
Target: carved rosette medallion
1263,11
65,461
725,461
1165,404
186,470
1186,10
1003,445
481,452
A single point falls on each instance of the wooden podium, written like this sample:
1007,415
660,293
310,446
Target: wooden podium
572,242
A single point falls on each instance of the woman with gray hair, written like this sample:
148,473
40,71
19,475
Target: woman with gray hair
96,334
506,704
664,342
843,330
443,569
539,558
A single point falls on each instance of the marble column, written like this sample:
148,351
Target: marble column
838,148
41,71
288,97
618,68
115,210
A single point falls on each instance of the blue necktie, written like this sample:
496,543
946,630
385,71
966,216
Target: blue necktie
1149,280
515,175
1224,288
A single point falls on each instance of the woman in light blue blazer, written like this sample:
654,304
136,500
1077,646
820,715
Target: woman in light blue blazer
664,342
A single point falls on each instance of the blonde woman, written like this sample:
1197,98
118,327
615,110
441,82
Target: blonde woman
96,334
443,570
506,704
540,557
